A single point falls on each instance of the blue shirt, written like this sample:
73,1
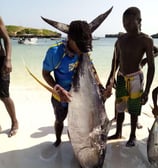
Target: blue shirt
61,63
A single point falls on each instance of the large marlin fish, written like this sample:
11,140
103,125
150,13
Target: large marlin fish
152,144
88,124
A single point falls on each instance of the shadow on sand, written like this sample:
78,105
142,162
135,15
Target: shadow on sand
120,156
44,131
44,155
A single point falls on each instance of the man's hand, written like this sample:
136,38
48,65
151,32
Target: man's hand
64,95
7,67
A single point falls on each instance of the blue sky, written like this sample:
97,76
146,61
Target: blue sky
27,13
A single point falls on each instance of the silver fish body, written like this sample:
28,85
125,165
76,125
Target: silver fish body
152,144
88,124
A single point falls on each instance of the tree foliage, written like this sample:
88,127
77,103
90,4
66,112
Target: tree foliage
15,31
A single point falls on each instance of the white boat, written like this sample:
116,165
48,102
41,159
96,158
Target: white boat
55,38
28,40
95,38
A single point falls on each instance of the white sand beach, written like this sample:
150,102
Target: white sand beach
32,146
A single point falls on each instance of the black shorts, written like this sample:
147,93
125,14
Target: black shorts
4,81
60,110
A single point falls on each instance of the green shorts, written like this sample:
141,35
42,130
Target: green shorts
129,89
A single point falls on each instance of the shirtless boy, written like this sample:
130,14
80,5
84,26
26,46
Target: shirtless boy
129,51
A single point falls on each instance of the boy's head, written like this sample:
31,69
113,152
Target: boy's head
132,19
80,33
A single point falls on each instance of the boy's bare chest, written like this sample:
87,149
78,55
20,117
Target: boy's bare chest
131,46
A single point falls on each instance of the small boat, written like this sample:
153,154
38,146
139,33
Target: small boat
95,38
28,40
55,38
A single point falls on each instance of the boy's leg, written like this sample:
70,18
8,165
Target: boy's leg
132,138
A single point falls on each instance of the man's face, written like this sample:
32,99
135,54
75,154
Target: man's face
73,46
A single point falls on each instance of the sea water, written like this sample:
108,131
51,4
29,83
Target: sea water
33,55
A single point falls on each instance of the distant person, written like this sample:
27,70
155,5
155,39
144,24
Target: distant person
63,60
154,98
155,90
5,69
128,53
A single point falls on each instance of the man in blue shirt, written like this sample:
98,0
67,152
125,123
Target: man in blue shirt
63,59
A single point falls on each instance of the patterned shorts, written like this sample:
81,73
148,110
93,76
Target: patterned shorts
129,89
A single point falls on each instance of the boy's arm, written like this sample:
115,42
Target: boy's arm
155,53
150,70
154,97
111,79
114,67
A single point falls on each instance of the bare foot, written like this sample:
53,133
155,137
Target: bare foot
13,130
139,126
57,143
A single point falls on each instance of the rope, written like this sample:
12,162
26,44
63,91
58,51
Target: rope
54,94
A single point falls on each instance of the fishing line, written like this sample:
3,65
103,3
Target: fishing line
54,94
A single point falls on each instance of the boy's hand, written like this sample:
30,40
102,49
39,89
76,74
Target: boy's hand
105,93
143,62
108,91
144,98
155,111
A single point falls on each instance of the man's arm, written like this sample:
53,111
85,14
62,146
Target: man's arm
64,95
48,78
7,45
